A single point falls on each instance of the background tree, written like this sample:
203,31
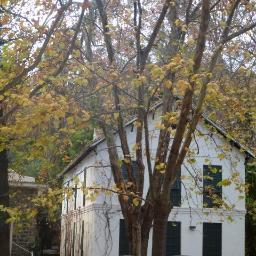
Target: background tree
37,39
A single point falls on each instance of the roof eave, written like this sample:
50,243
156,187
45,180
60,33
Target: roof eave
92,147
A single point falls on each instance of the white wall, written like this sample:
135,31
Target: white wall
102,231
207,148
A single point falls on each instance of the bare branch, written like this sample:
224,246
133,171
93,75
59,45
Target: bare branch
15,14
105,27
229,19
156,29
239,33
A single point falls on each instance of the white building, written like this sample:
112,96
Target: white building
95,227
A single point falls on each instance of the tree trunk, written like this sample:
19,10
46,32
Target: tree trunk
136,239
4,200
161,214
148,215
144,244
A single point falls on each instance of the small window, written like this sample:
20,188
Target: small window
67,201
175,192
84,197
75,196
173,238
212,192
123,239
212,239
124,170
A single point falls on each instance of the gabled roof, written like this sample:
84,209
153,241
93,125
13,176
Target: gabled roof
87,150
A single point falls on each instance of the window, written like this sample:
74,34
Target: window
123,239
75,197
175,192
84,197
212,237
82,240
67,199
212,191
173,237
134,170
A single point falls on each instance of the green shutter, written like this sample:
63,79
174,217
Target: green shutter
212,239
173,238
123,239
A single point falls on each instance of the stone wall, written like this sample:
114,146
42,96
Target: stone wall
25,233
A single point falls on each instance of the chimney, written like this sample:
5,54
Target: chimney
97,134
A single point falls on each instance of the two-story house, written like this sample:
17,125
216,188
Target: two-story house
208,217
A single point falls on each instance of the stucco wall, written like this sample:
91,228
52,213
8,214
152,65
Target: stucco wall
101,235
208,148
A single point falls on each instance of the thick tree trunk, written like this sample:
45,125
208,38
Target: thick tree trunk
144,244
136,239
4,200
148,215
161,214
133,225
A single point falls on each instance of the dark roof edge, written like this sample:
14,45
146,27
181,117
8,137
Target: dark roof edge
221,130
95,143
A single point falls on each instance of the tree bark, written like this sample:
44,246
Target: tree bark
4,200
148,215
136,239
161,214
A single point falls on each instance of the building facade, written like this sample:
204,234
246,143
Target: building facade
208,217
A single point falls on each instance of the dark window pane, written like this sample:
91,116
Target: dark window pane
123,239
135,172
212,239
212,192
173,237
75,197
85,186
175,192
67,198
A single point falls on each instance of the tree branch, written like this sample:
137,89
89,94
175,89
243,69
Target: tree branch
106,31
156,29
54,74
171,173
18,78
239,33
